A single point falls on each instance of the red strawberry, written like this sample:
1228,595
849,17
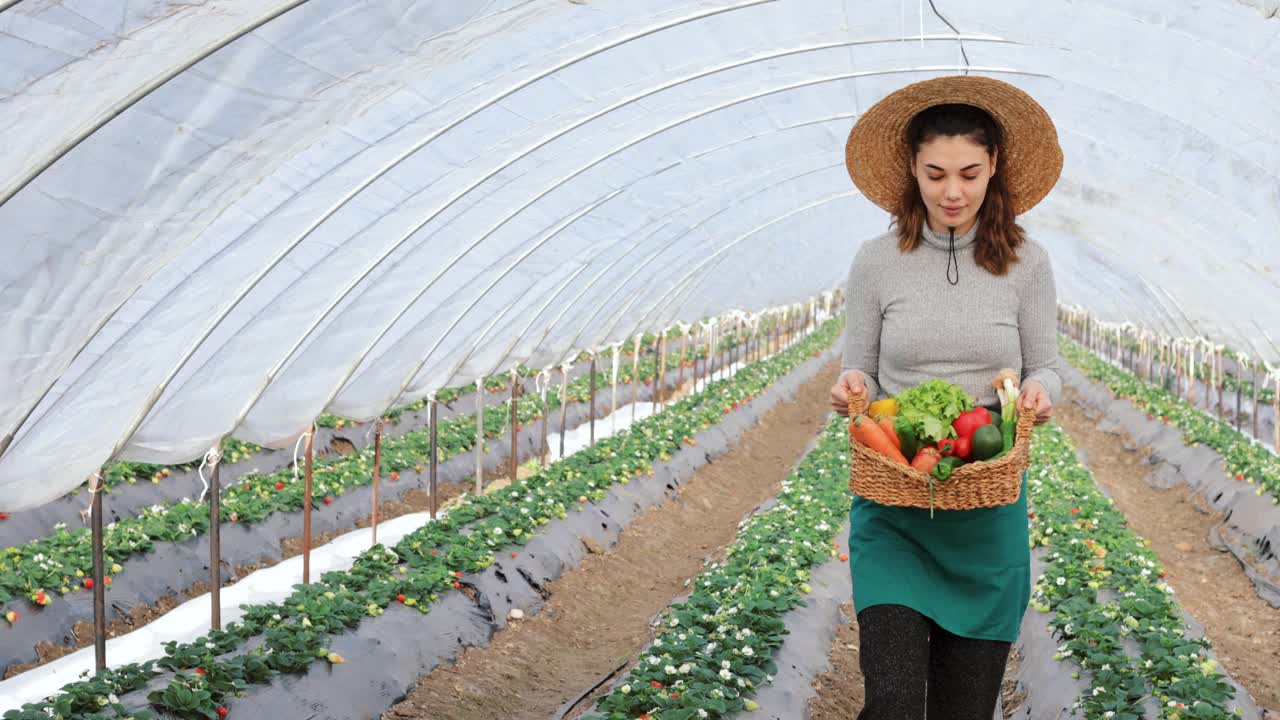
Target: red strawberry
42,598
1239,476
844,557
457,573
4,516
328,500
106,580
655,683
245,486
199,671
88,583
1031,516
513,554
279,486
675,696
400,597
457,584
435,551
395,476
222,711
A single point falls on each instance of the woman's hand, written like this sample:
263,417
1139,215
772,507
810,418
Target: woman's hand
850,383
1033,396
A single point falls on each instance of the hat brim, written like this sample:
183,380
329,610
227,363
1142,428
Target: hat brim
877,155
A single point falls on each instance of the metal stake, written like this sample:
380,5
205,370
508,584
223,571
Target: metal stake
684,344
435,411
215,542
377,472
99,591
661,388
306,508
564,405
479,451
515,430
592,442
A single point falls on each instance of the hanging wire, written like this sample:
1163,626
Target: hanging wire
211,458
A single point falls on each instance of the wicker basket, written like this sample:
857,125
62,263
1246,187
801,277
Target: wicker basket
980,484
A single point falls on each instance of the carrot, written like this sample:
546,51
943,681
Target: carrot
873,437
886,424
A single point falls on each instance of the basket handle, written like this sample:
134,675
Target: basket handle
857,404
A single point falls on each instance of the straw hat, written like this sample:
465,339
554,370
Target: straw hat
877,155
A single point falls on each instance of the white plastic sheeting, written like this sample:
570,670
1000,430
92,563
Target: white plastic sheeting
225,217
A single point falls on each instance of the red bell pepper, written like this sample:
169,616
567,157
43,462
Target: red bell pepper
969,421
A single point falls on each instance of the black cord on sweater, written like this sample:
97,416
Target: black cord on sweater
952,257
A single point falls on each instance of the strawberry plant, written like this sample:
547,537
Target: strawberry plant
424,564
1106,590
1243,457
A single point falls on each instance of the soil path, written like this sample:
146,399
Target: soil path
598,616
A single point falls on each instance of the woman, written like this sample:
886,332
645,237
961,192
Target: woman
955,290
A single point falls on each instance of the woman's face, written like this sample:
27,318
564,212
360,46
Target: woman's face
953,173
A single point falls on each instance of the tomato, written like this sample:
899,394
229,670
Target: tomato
964,447
947,446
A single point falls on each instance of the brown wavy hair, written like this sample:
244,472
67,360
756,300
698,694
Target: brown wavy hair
999,234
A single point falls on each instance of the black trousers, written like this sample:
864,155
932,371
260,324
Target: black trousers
913,669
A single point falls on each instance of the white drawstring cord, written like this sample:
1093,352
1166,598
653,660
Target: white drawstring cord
212,457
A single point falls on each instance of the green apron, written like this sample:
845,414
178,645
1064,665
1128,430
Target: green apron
968,570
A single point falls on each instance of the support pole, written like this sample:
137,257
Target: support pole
435,413
592,401
306,506
564,404
635,377
545,414
377,472
684,344
515,428
479,446
1221,383
99,591
215,539
1256,382
661,385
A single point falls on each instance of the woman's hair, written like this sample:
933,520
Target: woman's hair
999,234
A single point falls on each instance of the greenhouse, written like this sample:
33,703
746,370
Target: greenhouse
605,359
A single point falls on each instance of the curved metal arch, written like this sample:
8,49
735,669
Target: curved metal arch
10,189
746,236
284,252
389,326
630,246
573,304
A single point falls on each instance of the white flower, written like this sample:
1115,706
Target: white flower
654,660
1062,581
674,622
726,674
702,713
670,669
724,664
686,668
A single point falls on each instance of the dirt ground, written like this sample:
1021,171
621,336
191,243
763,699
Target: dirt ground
598,617
1244,629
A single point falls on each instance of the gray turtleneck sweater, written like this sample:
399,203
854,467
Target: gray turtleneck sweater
906,323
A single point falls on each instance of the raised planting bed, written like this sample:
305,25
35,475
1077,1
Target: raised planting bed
258,511
1105,636
275,639
1231,472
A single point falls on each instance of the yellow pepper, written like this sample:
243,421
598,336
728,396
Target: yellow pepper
887,407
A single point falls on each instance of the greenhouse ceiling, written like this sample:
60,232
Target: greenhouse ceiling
226,217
